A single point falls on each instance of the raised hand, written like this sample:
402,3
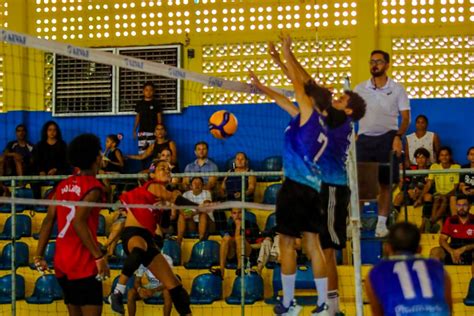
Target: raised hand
274,53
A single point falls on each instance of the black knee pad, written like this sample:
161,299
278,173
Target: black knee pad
180,300
133,261
151,253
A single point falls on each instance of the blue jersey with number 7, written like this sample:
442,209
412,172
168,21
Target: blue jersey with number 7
410,286
303,146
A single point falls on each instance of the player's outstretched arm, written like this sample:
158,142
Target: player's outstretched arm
277,59
83,232
298,70
299,79
279,98
374,301
45,232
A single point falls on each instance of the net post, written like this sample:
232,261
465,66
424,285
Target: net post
242,250
13,258
355,224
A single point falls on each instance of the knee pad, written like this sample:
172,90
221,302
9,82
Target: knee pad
133,261
151,253
180,300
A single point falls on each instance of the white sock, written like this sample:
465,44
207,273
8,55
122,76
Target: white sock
333,302
322,288
288,284
381,220
120,288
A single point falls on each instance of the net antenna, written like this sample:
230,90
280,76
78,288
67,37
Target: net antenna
354,212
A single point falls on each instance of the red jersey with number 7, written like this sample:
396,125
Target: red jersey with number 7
72,259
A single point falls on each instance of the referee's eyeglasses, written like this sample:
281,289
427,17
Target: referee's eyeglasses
378,62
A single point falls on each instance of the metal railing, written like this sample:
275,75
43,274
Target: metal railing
355,215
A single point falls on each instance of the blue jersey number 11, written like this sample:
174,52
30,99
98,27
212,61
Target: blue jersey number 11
405,277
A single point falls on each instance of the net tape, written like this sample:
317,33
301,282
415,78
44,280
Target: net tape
161,206
136,64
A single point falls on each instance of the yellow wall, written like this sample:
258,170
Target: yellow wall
320,29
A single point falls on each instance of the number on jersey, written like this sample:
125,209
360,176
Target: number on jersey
70,216
322,139
404,276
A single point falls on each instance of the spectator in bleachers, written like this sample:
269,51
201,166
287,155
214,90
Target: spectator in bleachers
146,285
231,246
202,222
112,160
148,116
270,251
160,142
415,184
166,156
231,187
50,152
115,230
4,191
421,138
456,242
466,185
202,164
445,185
17,156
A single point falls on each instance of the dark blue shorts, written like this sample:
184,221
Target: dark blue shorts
379,149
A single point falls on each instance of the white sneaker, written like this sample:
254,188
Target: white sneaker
293,310
322,310
381,231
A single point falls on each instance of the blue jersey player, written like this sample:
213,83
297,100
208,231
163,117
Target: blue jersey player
406,284
298,202
334,191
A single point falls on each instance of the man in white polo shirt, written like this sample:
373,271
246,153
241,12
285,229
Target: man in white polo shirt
379,131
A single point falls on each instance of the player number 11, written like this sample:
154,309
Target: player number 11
405,277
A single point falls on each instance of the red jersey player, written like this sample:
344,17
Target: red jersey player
137,238
79,264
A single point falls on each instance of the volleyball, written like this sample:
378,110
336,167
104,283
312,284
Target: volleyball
222,124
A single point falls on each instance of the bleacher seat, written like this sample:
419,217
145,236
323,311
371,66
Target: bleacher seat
371,251
21,256
370,207
204,255
54,232
44,208
128,286
116,262
19,193
206,289
47,290
274,163
270,222
48,255
6,286
270,195
101,226
172,249
23,227
304,278
253,284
